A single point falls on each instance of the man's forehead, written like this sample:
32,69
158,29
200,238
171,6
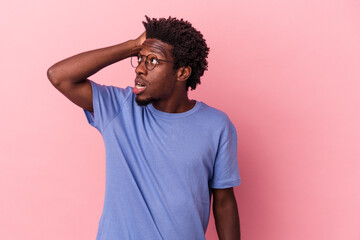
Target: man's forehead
156,46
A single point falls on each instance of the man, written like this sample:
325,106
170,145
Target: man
166,155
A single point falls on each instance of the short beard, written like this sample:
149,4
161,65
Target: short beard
144,102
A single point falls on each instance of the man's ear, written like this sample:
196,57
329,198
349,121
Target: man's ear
183,73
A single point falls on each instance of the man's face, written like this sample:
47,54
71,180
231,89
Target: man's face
159,82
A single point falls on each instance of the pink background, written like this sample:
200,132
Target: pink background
286,72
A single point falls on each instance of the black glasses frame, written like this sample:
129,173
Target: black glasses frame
144,57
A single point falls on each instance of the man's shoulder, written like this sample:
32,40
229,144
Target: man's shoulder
214,112
214,115
106,88
111,92
119,89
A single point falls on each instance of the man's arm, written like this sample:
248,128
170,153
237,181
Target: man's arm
70,75
226,214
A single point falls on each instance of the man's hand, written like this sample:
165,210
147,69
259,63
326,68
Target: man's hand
140,39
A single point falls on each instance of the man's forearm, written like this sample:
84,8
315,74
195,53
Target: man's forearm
227,220
83,65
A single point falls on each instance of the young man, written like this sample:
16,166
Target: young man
166,155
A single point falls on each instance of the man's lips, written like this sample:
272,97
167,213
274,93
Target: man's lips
140,85
141,81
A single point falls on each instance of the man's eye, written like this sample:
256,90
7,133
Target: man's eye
153,60
139,58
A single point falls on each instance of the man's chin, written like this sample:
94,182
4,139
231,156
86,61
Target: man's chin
143,102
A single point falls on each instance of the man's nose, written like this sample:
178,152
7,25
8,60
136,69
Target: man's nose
141,68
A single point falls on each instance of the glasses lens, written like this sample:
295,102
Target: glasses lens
135,60
151,62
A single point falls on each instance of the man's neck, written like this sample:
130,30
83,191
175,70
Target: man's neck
175,105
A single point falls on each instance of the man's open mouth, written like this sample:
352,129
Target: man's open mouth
139,85
139,88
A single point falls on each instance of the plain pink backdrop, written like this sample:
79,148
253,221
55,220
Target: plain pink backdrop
286,72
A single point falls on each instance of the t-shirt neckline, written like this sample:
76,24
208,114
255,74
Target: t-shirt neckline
174,115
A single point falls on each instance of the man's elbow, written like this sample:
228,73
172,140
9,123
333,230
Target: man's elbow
57,75
53,76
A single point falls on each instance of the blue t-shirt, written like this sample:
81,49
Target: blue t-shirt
160,167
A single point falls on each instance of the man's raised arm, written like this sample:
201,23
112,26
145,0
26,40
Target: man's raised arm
70,75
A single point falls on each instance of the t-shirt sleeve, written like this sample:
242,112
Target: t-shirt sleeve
107,104
226,169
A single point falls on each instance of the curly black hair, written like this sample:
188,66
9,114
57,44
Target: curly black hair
189,46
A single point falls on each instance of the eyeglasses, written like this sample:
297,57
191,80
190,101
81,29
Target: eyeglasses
151,61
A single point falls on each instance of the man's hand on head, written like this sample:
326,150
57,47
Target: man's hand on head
137,44
141,39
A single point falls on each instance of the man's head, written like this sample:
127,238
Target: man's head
189,48
156,80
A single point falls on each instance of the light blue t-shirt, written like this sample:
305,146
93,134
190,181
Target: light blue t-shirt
160,167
